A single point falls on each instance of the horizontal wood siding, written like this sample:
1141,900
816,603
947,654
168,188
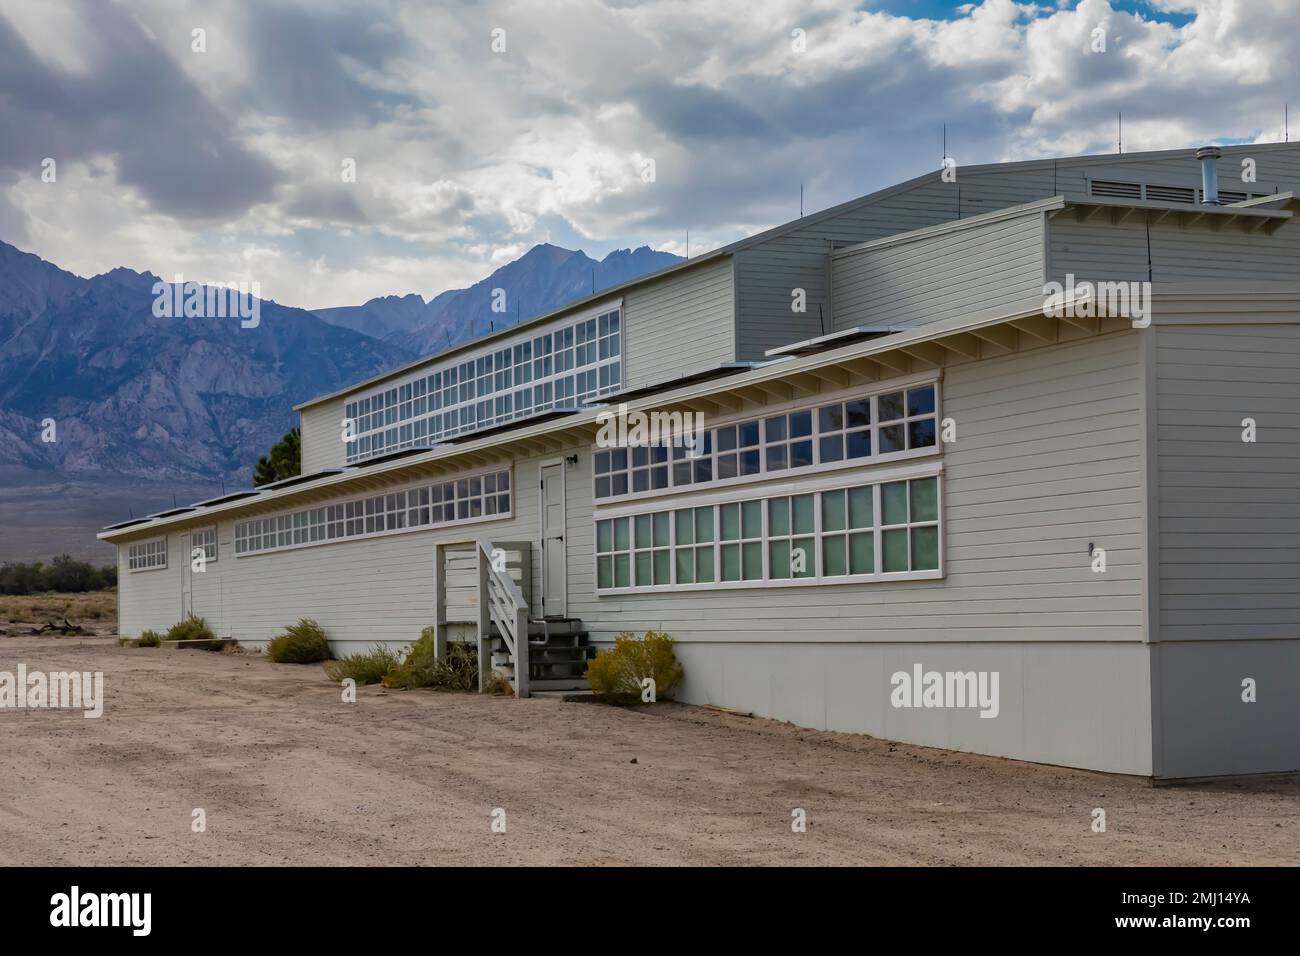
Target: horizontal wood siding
766,279
998,266
322,437
150,599
378,589
1229,510
1096,250
682,324
1047,460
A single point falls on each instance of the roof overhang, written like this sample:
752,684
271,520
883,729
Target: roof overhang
1119,211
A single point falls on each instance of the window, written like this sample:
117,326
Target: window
862,532
471,498
791,544
907,420
579,362
147,555
909,516
740,529
205,538
842,433
693,551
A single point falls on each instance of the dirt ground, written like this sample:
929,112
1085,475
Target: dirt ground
287,773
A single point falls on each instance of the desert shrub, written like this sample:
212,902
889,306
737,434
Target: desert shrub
147,639
498,686
365,668
616,673
458,670
191,629
301,643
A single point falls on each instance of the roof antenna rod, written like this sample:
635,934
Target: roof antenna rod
223,487
1121,132
1150,269
801,200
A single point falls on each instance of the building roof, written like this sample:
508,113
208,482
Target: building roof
798,358
592,301
497,442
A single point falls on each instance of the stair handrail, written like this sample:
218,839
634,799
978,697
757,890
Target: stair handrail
501,602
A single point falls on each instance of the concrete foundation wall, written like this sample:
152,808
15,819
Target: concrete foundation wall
1073,704
1206,729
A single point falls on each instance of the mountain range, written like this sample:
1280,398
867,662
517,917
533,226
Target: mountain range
544,278
149,403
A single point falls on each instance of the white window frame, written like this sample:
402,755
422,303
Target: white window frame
876,477
135,563
208,558
288,523
876,390
404,409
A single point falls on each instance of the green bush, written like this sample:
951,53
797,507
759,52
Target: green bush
616,673
191,629
301,643
366,668
458,670
147,639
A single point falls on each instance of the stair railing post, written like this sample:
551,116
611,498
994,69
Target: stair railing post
521,652
439,601
484,619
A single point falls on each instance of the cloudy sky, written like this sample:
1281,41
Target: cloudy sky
227,163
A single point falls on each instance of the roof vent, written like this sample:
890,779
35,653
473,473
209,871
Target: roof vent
1209,178
1103,187
1171,194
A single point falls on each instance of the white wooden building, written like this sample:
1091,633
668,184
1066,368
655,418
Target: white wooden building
911,465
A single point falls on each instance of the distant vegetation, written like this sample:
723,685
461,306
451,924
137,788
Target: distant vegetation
62,574
284,460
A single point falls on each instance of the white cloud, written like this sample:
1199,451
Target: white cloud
465,158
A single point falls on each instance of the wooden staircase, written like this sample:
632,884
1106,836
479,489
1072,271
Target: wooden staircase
558,651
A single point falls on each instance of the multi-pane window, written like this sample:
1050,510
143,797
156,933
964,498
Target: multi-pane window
875,531
740,531
473,498
693,545
577,363
859,430
738,449
791,536
907,420
147,555
788,441
909,518
206,539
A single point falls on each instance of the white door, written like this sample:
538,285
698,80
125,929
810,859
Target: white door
554,567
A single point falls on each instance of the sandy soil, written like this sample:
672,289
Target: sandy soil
287,773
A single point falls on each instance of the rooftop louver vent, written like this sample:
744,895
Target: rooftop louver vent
1185,194
1103,187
